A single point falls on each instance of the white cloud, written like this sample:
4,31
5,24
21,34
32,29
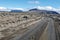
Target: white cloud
4,9
48,8
9,9
34,2
45,8
17,8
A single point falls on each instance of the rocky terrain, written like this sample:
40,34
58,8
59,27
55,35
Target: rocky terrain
12,22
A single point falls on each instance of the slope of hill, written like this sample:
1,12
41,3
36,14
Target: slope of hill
43,11
16,11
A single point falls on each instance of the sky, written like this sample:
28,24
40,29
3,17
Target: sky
29,4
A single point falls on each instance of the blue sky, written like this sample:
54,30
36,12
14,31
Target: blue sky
29,3
15,3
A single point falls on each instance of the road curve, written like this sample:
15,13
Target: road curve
31,31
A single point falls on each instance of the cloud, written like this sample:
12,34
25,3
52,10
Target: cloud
48,8
9,9
4,9
16,8
34,2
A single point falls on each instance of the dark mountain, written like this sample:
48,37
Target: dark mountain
35,9
52,12
43,11
16,11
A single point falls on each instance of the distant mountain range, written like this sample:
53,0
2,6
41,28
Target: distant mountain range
16,11
43,11
34,10
11,10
